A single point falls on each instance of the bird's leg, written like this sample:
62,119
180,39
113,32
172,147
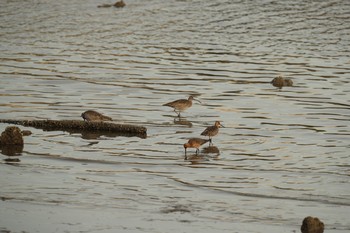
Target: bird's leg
197,151
178,113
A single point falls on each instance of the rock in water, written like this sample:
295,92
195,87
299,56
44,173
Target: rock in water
119,4
11,136
312,225
281,82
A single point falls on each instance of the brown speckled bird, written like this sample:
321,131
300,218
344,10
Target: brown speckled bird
92,115
281,82
195,143
181,104
213,130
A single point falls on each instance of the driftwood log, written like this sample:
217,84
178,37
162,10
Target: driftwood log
77,126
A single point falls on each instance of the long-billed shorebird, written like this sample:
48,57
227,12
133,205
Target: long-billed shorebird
195,143
280,82
213,130
181,104
92,115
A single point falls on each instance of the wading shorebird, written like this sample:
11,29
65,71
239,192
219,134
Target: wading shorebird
281,82
92,115
213,130
195,143
181,104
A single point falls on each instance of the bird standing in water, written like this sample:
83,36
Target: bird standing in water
195,143
181,104
213,130
92,115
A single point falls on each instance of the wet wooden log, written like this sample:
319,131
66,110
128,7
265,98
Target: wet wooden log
82,126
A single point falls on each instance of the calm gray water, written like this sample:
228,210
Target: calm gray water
283,155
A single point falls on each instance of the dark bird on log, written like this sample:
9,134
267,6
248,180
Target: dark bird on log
91,115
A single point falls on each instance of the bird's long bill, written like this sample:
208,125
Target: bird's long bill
197,100
222,126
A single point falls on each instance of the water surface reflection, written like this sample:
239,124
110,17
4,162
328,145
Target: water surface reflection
282,156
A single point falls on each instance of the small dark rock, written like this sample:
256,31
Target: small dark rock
312,225
11,136
11,141
26,132
121,3
281,82
118,4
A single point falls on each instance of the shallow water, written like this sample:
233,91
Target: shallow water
282,156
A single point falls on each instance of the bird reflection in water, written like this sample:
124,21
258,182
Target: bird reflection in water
207,153
88,135
12,160
91,135
196,143
182,121
211,150
196,159
12,150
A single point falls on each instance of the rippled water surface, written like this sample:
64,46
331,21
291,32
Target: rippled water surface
282,156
